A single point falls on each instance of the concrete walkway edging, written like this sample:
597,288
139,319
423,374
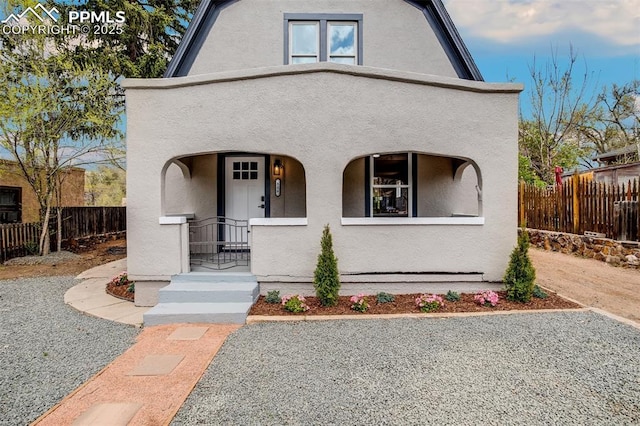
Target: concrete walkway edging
90,297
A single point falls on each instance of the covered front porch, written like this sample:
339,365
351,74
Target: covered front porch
399,212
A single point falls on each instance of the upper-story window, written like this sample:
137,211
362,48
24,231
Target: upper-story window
323,37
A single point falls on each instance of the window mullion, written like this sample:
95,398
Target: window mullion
371,179
409,190
323,40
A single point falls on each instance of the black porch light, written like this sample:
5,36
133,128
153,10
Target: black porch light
277,167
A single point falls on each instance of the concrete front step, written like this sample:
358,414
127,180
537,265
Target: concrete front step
205,297
209,292
221,313
214,277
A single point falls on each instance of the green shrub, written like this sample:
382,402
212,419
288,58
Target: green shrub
383,297
326,279
295,303
132,287
273,297
539,293
452,296
520,277
32,248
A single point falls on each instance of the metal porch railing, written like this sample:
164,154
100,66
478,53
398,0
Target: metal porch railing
219,242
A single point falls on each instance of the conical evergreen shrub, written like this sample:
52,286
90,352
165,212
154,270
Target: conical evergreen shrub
520,277
326,279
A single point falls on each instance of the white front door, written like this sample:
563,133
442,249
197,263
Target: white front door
244,190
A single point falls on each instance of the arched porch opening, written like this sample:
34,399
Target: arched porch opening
411,184
218,193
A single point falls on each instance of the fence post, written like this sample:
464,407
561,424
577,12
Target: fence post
575,181
522,218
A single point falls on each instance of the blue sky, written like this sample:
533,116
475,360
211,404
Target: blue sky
505,35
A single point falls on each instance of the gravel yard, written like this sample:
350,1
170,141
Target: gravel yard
47,349
551,368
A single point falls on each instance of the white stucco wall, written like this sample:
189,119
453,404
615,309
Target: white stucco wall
250,34
292,201
464,193
278,111
203,184
353,189
179,197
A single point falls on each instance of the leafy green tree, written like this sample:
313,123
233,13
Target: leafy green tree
326,278
54,115
105,186
520,277
526,174
143,45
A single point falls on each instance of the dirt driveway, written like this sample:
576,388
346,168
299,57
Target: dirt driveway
591,282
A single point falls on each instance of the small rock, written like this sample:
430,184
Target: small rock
632,260
614,260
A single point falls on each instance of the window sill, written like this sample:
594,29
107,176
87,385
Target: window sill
172,220
392,221
278,221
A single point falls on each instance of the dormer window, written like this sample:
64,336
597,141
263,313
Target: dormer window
323,37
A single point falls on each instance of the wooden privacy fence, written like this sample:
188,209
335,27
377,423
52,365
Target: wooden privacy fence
579,205
78,222
21,239
18,239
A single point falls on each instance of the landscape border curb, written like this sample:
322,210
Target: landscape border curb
254,319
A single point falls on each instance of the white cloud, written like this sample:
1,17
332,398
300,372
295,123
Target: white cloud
617,22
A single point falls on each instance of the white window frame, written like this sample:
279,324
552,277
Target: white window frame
318,47
355,41
409,185
323,20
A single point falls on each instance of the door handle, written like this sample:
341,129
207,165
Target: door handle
261,206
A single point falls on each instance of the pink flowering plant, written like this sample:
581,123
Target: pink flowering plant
486,297
429,303
359,303
121,279
295,303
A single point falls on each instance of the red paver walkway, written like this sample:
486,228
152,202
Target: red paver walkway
116,396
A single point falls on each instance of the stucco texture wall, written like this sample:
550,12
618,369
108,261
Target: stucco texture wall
323,115
72,189
250,34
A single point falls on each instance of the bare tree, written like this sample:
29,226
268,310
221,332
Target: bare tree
615,121
558,105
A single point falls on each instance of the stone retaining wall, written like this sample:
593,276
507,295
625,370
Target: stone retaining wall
618,253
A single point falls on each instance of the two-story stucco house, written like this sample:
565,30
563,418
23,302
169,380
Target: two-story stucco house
277,117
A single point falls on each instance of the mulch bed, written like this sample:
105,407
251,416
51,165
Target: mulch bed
405,303
120,291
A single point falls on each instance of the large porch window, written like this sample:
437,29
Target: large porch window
391,185
401,187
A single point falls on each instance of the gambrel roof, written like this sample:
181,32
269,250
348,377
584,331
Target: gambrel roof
433,10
